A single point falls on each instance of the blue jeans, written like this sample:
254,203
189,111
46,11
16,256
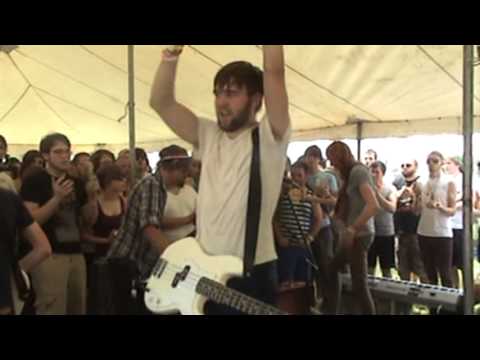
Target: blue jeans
293,264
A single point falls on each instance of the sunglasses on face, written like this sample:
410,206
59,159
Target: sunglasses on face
408,166
433,161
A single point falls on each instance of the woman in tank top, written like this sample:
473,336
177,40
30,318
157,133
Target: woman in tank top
111,208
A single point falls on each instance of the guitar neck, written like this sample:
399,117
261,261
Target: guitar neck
234,299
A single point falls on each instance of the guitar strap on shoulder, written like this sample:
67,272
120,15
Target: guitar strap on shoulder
253,207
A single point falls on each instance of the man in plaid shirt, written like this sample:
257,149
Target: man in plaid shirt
140,238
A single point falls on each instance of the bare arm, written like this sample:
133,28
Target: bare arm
61,189
389,204
371,206
89,237
317,220
451,207
276,98
41,214
329,200
41,247
180,119
418,199
89,212
476,204
156,238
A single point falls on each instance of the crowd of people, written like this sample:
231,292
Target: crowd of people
319,217
414,226
61,213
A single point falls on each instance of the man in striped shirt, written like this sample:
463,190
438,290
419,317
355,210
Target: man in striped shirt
296,222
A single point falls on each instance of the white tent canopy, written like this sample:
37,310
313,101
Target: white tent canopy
82,91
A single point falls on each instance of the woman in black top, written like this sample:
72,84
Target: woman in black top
111,206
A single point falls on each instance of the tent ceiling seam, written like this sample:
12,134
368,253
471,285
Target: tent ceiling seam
94,54
81,82
36,93
84,108
52,109
440,66
331,92
70,77
16,102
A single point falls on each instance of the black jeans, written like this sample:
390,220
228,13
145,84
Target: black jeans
437,257
262,285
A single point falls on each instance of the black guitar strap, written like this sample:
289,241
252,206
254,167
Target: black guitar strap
253,207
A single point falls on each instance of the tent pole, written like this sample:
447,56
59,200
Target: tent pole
467,179
359,140
131,111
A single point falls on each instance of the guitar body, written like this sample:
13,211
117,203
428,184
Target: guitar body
165,295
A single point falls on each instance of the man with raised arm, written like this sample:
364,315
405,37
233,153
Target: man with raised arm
225,149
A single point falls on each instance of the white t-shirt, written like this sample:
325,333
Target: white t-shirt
433,222
180,205
224,184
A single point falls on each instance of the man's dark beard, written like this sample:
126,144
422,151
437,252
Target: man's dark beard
238,121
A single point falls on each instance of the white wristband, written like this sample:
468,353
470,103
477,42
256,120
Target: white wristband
167,58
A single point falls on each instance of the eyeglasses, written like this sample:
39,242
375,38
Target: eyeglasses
406,166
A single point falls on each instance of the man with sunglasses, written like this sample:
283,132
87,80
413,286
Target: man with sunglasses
406,222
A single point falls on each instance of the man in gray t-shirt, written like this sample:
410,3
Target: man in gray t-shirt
325,188
383,246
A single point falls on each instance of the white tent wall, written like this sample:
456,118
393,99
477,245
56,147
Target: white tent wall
82,91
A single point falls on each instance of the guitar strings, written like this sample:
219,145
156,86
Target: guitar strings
191,283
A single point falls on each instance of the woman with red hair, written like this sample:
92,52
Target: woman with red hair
354,213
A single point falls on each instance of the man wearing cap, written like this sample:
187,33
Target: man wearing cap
225,149
179,216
